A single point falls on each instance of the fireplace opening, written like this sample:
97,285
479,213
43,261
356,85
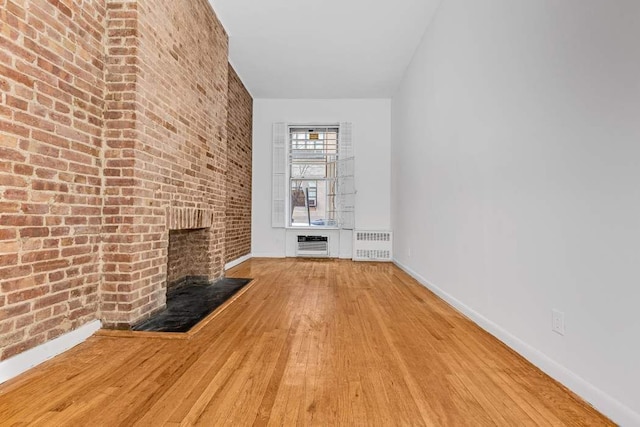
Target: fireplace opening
188,257
192,292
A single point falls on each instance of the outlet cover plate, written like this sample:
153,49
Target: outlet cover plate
557,322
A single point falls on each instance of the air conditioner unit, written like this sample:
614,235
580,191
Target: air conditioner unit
372,245
312,246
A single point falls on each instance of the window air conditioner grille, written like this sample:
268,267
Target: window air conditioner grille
313,246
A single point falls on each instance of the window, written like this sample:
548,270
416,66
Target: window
312,163
313,181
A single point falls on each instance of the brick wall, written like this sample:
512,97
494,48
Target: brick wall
113,127
120,241
239,146
52,80
167,87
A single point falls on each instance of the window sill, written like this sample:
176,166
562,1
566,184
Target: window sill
312,227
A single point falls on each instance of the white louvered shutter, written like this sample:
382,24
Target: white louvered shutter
346,178
278,183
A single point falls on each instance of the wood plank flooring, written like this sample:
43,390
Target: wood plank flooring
310,343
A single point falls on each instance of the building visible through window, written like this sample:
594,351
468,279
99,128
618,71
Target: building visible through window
313,155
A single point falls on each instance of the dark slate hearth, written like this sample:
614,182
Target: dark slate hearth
190,303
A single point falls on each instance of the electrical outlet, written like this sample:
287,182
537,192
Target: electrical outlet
557,322
409,252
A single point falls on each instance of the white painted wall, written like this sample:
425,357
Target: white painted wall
371,120
516,181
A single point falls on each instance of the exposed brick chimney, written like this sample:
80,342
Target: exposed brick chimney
113,131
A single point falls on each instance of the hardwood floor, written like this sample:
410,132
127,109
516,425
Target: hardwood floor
310,343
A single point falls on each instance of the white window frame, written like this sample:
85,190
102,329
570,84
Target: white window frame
288,177
281,182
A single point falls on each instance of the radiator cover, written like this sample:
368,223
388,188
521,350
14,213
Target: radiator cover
371,245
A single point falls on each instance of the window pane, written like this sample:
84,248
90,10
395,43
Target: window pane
309,170
312,203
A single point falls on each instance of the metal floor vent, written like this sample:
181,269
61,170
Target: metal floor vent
313,246
372,245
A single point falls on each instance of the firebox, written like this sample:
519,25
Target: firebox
188,258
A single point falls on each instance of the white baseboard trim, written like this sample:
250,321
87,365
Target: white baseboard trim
22,362
237,261
603,402
268,255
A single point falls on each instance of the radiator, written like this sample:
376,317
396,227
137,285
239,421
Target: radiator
372,245
312,246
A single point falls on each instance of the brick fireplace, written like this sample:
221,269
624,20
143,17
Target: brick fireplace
166,147
117,122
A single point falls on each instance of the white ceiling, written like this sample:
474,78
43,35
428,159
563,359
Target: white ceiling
323,48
